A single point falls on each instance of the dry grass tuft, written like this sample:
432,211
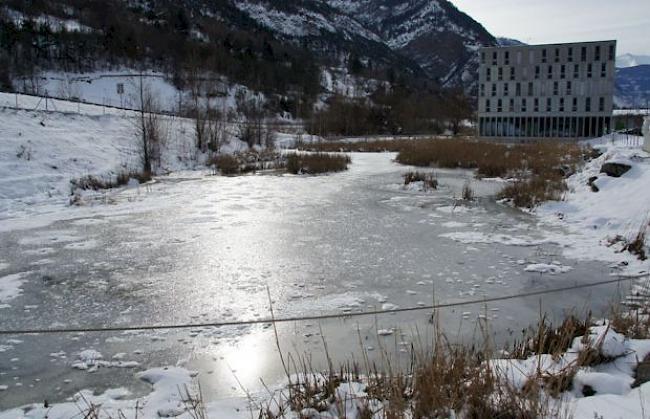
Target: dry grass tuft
429,180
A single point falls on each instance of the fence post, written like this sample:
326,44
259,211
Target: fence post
16,100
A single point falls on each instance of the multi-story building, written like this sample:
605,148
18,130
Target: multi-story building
546,91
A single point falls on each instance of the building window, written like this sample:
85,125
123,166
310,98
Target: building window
590,68
494,58
570,55
549,105
543,56
500,73
536,105
499,105
574,108
530,88
507,57
506,90
603,70
488,74
518,89
483,57
568,88
549,74
537,71
597,53
482,89
556,88
494,89
563,71
512,105
523,105
611,53
557,55
583,54
512,73
576,71
561,104
487,105
588,105
601,104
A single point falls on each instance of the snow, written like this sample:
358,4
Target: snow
610,380
543,268
471,237
590,220
609,343
172,388
40,152
10,287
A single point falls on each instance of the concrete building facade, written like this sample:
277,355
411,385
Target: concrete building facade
546,91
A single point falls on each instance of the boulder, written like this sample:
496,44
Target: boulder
591,183
615,169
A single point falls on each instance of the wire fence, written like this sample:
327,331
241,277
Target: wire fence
49,103
485,300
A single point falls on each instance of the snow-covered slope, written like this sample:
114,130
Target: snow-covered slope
631,60
42,151
596,221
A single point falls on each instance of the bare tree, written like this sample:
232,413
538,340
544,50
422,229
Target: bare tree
149,130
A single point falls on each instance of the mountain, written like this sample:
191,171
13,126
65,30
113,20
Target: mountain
434,33
422,38
509,42
633,86
631,60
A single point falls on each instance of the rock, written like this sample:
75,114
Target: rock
591,183
615,169
642,373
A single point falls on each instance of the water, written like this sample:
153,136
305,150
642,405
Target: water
207,249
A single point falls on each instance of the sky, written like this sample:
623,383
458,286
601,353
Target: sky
550,21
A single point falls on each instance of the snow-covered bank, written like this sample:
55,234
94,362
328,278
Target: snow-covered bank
41,152
595,377
596,221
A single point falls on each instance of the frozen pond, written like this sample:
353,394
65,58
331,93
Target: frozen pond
206,249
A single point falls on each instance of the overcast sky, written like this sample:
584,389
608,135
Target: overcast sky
548,21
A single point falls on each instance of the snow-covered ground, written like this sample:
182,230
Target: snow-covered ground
603,390
42,151
621,207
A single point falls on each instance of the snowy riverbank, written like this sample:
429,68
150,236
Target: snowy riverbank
598,224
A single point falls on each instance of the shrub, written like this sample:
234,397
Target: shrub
316,163
226,163
96,183
528,193
468,193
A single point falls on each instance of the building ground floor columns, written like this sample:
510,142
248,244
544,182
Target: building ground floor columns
544,126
